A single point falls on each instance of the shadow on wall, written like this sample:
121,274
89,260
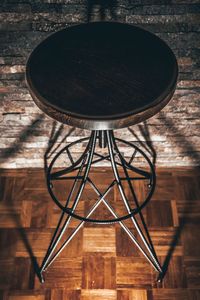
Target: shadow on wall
53,140
104,7
18,144
147,144
185,145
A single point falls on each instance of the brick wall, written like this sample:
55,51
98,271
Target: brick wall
26,133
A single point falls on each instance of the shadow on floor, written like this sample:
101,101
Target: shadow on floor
182,222
167,122
11,152
147,144
23,235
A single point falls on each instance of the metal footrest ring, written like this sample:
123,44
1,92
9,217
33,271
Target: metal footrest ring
87,160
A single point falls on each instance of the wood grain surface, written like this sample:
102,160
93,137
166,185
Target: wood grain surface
99,75
100,262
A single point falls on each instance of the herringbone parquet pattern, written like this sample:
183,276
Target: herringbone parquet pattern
100,262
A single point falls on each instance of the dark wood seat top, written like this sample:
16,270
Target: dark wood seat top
102,75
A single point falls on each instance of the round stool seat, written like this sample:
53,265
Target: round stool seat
102,75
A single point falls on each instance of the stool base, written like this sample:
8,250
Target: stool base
82,166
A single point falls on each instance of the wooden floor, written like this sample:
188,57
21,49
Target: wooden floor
100,262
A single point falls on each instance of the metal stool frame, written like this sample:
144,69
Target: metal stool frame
82,165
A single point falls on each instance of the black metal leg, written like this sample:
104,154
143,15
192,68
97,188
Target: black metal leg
149,243
83,165
111,147
54,242
57,236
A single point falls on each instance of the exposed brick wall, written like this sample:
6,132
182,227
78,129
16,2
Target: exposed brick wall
25,132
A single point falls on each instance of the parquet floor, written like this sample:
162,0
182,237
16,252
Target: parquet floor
100,262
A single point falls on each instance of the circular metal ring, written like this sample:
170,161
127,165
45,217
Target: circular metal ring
71,168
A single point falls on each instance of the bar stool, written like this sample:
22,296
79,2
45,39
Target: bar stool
101,76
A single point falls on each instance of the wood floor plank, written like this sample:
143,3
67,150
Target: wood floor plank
63,294
27,297
175,276
26,294
101,262
36,240
64,273
132,294
162,209
98,294
124,245
192,270
98,272
133,272
99,240
172,294
191,236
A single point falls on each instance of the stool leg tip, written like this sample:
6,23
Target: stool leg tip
41,277
160,277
